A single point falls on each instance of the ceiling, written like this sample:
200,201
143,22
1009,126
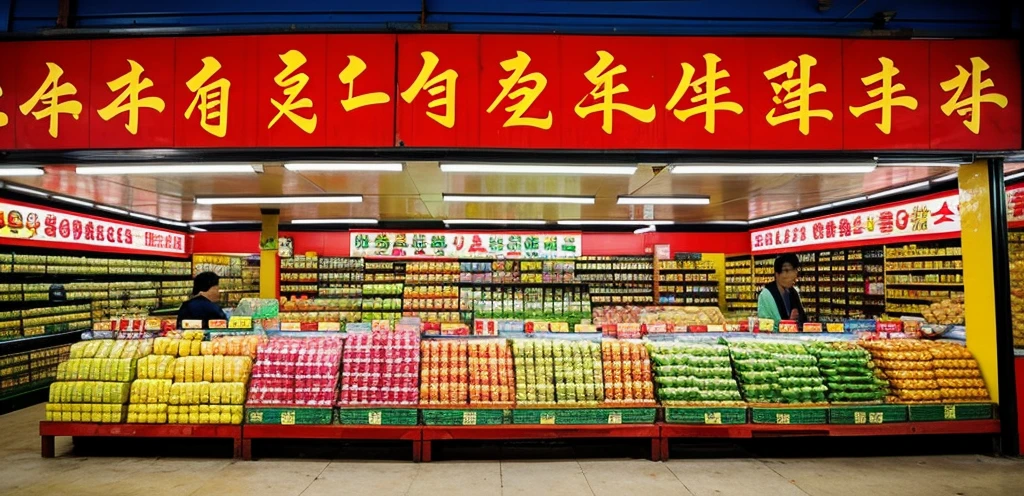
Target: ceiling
416,193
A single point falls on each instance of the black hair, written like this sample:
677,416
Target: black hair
204,281
786,258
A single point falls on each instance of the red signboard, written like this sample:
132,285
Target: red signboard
23,224
511,92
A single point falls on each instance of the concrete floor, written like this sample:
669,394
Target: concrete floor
22,471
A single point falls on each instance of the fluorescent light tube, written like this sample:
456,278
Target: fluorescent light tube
142,216
816,208
27,191
789,168
112,209
901,189
785,215
20,171
615,170
947,177
1005,178
458,222
615,222
664,200
197,229
758,221
334,221
172,222
344,166
117,170
647,229
223,222
919,164
277,200
849,201
727,222
73,201
581,200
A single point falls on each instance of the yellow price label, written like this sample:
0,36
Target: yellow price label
468,418
712,417
288,417
256,417
876,417
781,418
860,417
547,419
949,412
374,417
240,322
615,418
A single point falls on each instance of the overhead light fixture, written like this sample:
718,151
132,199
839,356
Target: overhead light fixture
27,191
615,222
223,222
849,201
785,215
777,168
580,200
73,201
1005,178
197,229
172,222
112,209
664,200
919,164
142,216
614,170
642,230
155,169
334,221
509,222
344,166
277,200
727,222
947,177
816,208
759,221
20,171
901,189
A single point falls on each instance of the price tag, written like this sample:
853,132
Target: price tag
547,419
615,418
712,417
876,417
255,417
288,417
374,417
468,418
781,418
860,417
291,326
240,322
328,326
949,412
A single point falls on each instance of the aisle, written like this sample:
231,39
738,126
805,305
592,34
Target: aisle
22,471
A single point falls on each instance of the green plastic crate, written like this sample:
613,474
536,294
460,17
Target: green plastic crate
378,416
289,416
705,415
952,411
868,414
466,417
584,416
782,415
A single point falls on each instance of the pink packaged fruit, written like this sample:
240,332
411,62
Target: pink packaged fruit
381,368
296,372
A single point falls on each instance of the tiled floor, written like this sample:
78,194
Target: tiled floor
22,471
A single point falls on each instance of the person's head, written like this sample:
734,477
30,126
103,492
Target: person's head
787,267
207,284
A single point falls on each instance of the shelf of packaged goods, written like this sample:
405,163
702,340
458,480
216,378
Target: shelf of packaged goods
24,395
688,283
578,270
6,306
932,299
32,343
524,284
926,284
921,257
943,269
698,271
512,432
50,430
253,432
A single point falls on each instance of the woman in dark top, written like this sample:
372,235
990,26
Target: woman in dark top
203,303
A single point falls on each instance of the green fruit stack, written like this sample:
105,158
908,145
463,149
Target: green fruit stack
693,373
776,372
848,372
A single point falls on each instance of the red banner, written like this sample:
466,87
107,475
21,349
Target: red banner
511,92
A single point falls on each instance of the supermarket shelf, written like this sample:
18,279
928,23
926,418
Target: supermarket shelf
697,271
412,433
6,306
524,284
523,432
922,257
944,269
49,430
927,284
37,342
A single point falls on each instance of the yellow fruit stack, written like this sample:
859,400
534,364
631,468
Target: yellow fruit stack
907,364
208,389
957,374
150,392
94,384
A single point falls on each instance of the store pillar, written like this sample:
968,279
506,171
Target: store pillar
270,263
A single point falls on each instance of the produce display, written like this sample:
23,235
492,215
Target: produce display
849,372
296,372
694,373
957,374
946,312
776,372
444,372
381,368
558,371
491,373
1016,252
907,364
682,316
627,372
95,383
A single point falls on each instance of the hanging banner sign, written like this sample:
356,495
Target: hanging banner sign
925,219
511,92
30,225
465,245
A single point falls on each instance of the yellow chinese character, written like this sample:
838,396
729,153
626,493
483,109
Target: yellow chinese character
211,98
886,91
971,105
3,116
526,94
133,84
348,76
605,89
293,84
798,94
707,93
434,88
49,94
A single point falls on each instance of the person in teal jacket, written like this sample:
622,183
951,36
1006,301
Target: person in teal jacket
779,300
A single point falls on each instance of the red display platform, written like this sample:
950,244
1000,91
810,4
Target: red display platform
521,432
747,431
350,432
50,430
